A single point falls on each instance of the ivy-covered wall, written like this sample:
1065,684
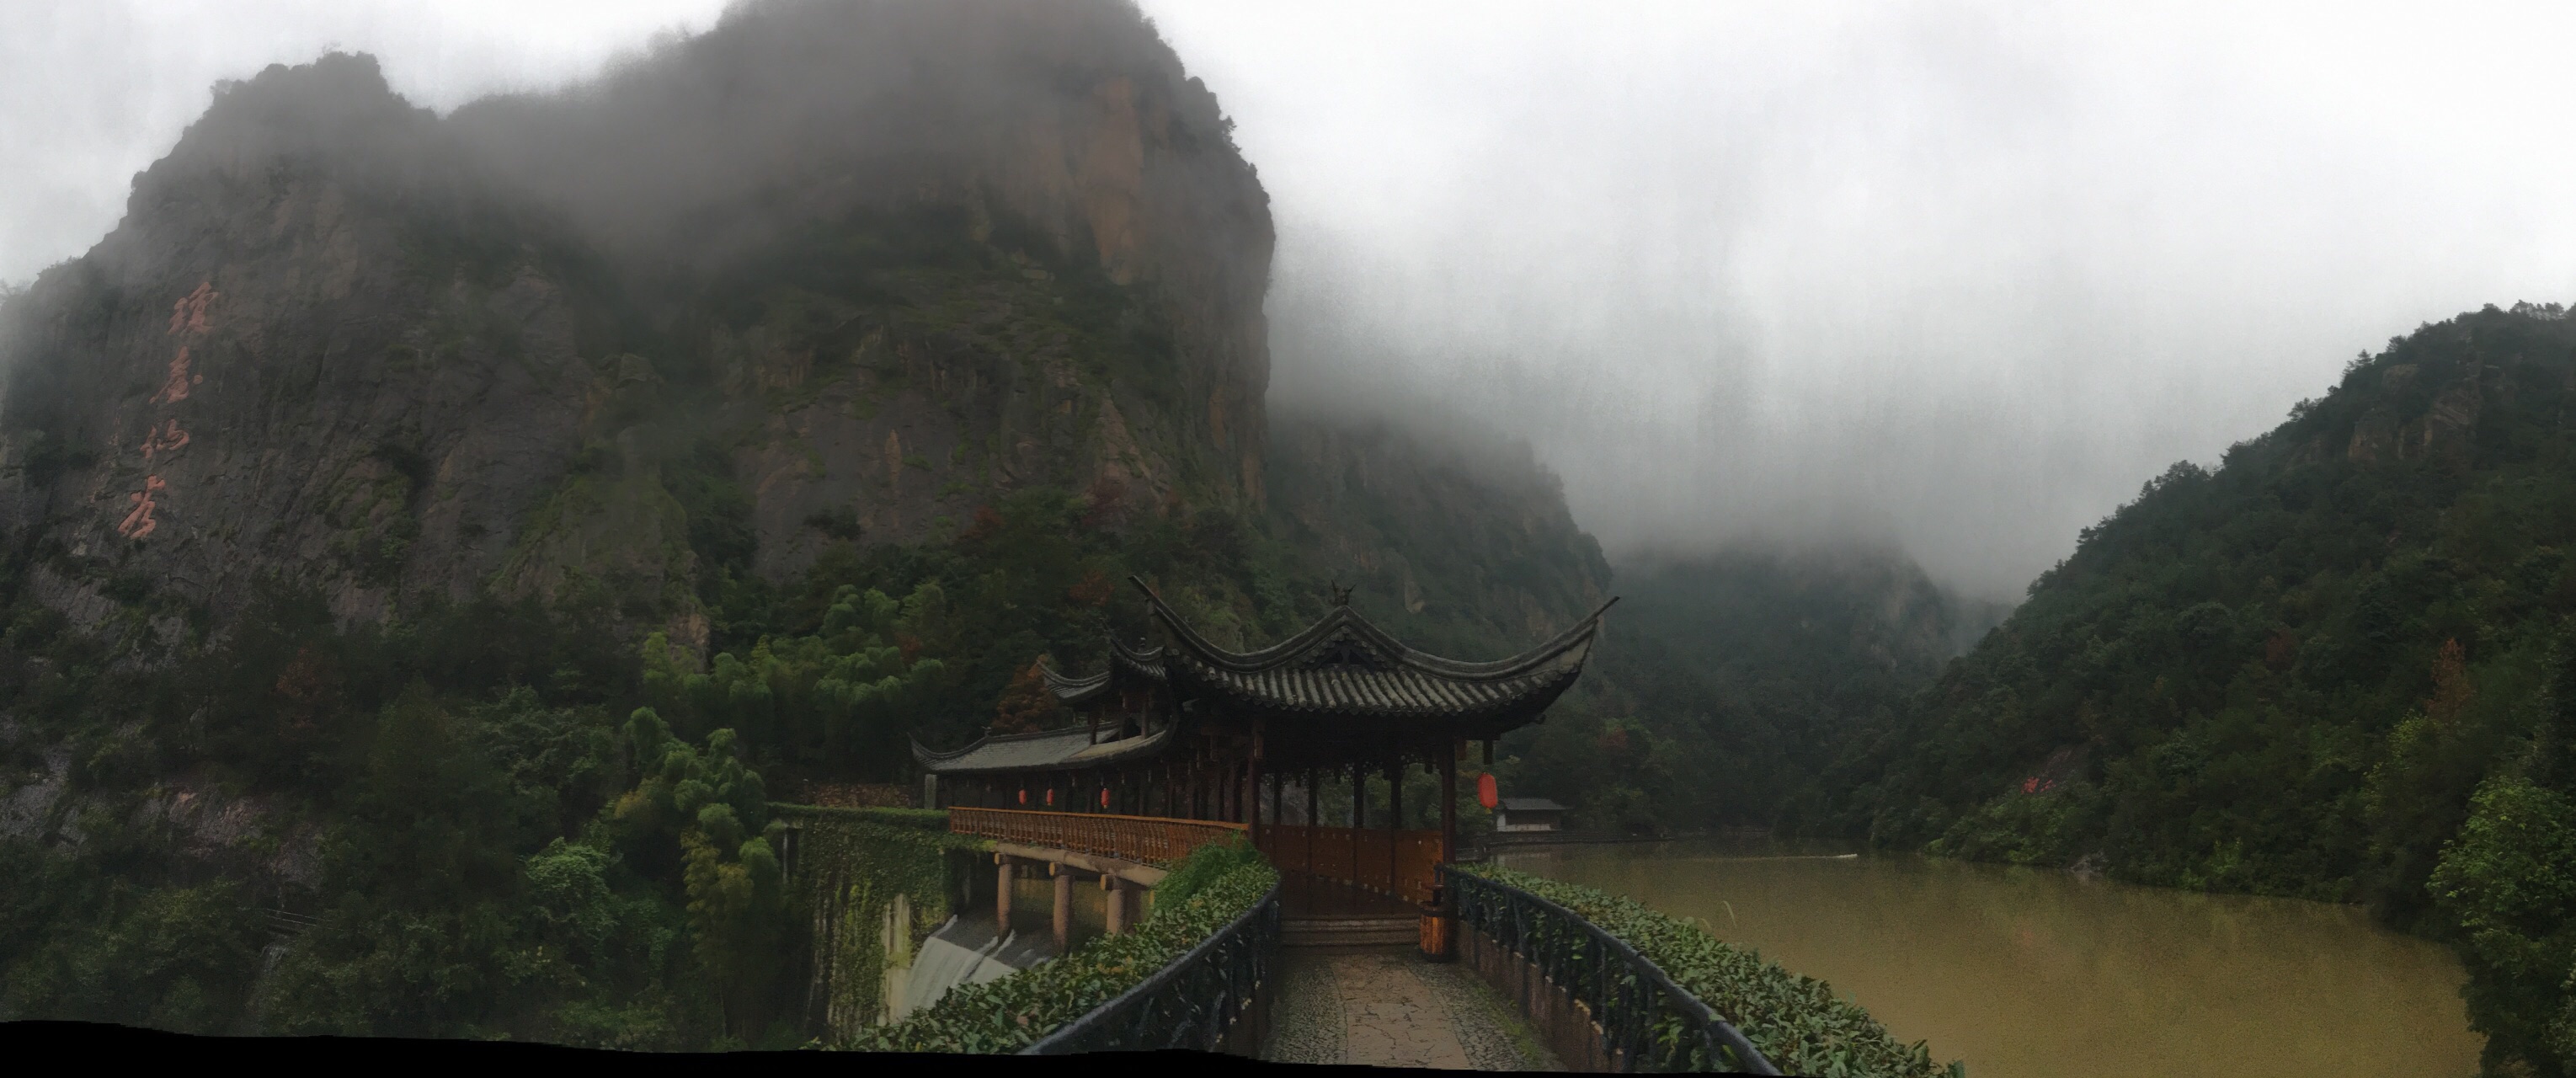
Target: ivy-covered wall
876,883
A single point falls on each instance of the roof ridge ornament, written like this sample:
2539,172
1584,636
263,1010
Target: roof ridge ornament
1341,595
1346,649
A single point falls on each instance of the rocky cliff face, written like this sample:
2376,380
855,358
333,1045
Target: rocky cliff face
1110,332
1462,544
268,369
842,271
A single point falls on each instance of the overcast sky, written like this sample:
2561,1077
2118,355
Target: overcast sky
1960,276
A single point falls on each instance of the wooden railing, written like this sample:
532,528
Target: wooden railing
1403,864
1143,839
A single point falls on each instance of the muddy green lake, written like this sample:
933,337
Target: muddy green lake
2028,973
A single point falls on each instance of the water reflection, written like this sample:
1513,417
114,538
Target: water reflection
2024,972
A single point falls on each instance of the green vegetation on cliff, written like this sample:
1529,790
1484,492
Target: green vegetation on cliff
1726,681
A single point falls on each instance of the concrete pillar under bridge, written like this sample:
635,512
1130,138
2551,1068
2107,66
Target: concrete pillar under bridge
1123,882
1120,894
1063,907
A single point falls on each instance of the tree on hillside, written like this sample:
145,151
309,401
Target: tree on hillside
1027,704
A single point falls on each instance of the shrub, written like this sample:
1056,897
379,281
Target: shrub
1203,868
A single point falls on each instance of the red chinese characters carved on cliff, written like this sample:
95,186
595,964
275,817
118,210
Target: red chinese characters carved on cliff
189,314
165,436
164,441
175,387
139,522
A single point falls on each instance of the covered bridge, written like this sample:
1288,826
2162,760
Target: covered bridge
1183,734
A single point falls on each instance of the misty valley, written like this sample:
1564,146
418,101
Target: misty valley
790,540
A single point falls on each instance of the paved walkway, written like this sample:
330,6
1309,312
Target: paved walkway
1389,1008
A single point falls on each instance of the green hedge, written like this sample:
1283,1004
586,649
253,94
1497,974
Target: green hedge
1014,1012
1796,1022
922,819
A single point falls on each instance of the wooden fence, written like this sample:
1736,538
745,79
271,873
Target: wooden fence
1142,839
1397,863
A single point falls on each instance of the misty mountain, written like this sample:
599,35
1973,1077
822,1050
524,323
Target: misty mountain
407,335
803,381
1727,682
1460,543
389,492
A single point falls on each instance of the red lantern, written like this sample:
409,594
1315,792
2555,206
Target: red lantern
1104,797
1050,795
1485,793
1024,797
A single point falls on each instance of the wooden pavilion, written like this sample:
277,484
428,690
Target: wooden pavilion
1185,730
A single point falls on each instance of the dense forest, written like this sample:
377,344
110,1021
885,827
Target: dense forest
1725,682
2338,666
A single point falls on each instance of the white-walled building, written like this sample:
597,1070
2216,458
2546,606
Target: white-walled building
1520,814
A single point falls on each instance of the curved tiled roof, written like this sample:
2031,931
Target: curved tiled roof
1146,663
1045,750
1345,665
1341,667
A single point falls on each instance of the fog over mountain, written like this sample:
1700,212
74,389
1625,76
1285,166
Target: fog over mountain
1953,276
1961,275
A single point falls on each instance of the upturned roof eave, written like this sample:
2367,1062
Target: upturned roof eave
1503,713
1086,756
1139,663
1187,641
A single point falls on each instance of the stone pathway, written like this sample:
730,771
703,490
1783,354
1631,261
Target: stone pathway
1389,1008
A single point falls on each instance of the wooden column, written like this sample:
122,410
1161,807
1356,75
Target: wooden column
1394,824
1359,815
1252,790
1395,794
1117,900
1002,895
1314,805
1449,804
